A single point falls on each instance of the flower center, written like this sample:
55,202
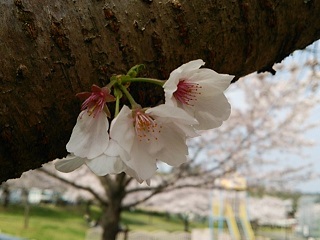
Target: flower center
95,103
187,92
145,126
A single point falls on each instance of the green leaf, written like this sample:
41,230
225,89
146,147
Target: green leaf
133,72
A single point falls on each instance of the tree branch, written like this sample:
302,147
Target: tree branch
75,185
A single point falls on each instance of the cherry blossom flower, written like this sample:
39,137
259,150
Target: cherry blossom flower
200,93
95,101
90,138
152,134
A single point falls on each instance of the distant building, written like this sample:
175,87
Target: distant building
35,195
308,216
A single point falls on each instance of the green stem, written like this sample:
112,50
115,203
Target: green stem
117,109
111,83
148,80
129,96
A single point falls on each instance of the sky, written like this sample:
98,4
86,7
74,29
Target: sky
311,154
313,186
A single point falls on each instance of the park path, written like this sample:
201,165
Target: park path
8,237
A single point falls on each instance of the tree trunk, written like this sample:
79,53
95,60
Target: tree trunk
25,194
54,49
5,195
110,220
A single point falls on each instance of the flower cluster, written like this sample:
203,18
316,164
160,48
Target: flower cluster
139,137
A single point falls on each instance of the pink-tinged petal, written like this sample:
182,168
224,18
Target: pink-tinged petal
170,85
122,129
103,165
95,103
142,162
83,95
106,93
69,163
89,137
95,88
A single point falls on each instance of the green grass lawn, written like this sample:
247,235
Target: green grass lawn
49,222
156,221
45,223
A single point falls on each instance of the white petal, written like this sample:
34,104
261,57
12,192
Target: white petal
122,129
207,121
115,150
148,182
170,113
69,163
188,130
133,174
89,137
170,100
103,165
171,85
189,66
142,162
211,111
174,158
176,149
210,77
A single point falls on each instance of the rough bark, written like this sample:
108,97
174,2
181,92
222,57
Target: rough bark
54,49
110,219
110,222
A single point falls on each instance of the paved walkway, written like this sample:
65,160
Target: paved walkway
8,237
275,235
